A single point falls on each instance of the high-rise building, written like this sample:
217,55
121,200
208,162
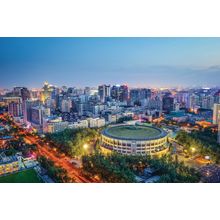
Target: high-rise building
217,97
207,102
145,93
134,95
66,105
138,96
14,105
22,92
120,93
35,94
115,92
10,99
192,101
168,104
155,103
124,93
28,108
46,92
37,115
15,109
104,92
216,113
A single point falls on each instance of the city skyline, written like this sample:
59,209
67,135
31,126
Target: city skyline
138,62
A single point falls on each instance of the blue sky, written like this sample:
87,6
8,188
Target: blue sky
93,61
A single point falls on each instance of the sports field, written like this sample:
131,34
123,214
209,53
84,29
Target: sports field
26,176
133,132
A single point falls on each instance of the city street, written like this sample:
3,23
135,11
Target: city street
44,150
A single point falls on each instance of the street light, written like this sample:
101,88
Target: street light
85,146
193,149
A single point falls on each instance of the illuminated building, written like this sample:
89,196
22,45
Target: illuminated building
22,92
66,105
79,124
38,113
46,92
54,125
137,96
104,92
134,139
15,99
167,104
216,115
9,164
14,105
15,109
28,105
96,122
120,93
207,102
192,101
204,124
217,97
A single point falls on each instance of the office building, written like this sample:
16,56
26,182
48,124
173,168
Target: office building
66,105
216,113
15,109
167,104
52,125
120,93
104,92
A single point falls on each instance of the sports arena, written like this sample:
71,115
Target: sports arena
134,139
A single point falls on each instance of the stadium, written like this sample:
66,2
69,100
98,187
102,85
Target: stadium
134,139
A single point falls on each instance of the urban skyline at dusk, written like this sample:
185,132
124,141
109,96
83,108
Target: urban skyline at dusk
110,110
109,104
138,62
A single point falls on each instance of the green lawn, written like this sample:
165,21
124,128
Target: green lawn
135,132
27,176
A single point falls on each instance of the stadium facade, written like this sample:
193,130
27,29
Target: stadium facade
134,140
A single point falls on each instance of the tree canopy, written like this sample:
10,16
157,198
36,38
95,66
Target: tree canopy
116,168
71,141
204,141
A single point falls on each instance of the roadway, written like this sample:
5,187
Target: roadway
44,150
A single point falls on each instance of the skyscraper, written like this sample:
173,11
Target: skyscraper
22,92
124,93
15,109
104,92
192,101
46,92
28,105
207,102
145,93
120,93
216,115
66,105
138,95
168,104
14,105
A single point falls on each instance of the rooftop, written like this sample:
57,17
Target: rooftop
134,132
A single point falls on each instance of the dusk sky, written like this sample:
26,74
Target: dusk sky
138,62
